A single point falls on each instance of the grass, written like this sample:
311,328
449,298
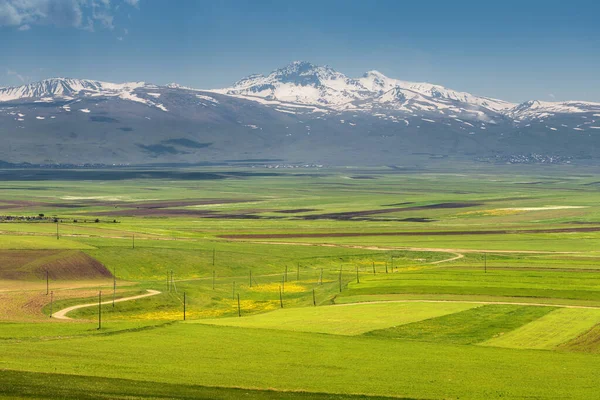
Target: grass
467,327
413,350
55,330
342,320
10,242
549,331
197,354
30,385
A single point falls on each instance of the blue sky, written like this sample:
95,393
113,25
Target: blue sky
547,50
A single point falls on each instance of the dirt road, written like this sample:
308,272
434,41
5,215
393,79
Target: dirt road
62,314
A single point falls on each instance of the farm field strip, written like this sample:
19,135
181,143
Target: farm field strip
549,331
514,303
466,327
334,320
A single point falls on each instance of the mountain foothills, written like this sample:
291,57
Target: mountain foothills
301,113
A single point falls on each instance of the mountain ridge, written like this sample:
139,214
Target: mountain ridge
304,83
299,113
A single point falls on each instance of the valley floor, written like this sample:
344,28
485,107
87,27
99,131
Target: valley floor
432,285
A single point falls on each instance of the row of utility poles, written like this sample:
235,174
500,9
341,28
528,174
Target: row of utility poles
171,286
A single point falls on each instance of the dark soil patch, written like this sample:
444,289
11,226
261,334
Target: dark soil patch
60,264
116,174
348,215
297,210
417,219
10,204
178,212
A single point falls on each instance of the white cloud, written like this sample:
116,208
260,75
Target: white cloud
81,14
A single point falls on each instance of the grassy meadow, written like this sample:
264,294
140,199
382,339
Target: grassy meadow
348,283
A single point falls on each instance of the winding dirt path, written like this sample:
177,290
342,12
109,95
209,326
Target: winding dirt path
62,314
457,256
458,253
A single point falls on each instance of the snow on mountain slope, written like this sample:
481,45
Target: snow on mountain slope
311,88
375,81
535,109
64,87
68,89
301,82
305,83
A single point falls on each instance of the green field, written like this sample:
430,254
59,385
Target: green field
343,320
327,283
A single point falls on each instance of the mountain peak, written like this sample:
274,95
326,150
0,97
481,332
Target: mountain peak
374,73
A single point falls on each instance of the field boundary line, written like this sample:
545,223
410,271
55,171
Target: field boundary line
62,314
471,302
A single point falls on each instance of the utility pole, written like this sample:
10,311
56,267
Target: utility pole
57,236
214,250
184,306
340,279
314,299
280,297
298,273
100,309
133,241
51,300
114,287
386,270
357,280
239,309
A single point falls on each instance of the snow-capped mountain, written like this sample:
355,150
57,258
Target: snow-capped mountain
305,83
300,112
65,88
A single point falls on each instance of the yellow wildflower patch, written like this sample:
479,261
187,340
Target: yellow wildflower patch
251,305
274,288
171,315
